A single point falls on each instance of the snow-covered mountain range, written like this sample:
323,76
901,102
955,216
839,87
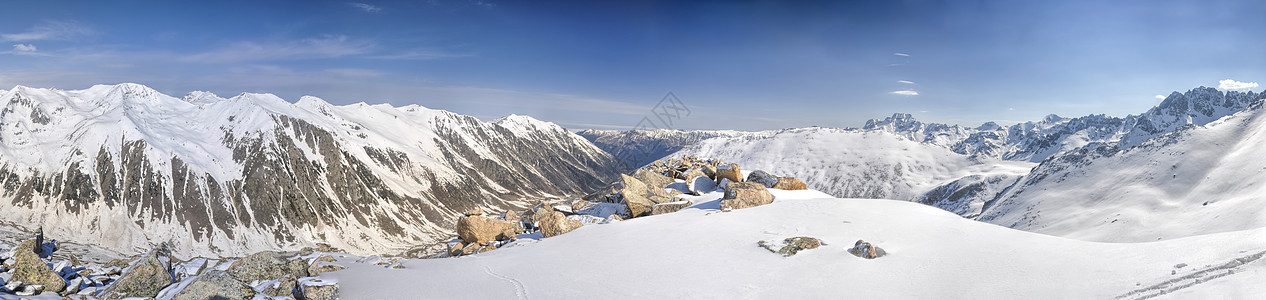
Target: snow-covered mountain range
1096,177
636,148
126,167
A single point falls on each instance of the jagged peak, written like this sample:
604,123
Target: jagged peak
198,97
515,121
898,120
1052,118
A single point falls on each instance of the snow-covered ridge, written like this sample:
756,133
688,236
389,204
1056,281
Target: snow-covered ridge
127,166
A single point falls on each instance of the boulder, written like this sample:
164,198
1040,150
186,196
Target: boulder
709,171
740,195
639,197
31,270
267,265
145,278
729,171
317,289
653,180
701,185
323,264
865,250
510,216
791,246
790,184
555,223
215,284
482,230
669,207
456,249
475,212
286,286
762,178
471,248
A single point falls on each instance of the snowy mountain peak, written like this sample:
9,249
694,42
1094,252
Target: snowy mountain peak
1053,118
201,97
521,124
898,121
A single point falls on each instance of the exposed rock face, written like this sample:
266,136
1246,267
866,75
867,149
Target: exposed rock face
865,250
739,195
639,197
267,265
653,180
264,173
791,246
146,278
323,264
31,270
729,171
790,184
762,178
481,230
669,207
284,287
215,284
554,223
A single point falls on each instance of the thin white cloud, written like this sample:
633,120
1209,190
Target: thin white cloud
901,54
1161,97
49,30
365,7
1228,84
317,48
419,55
905,93
905,81
355,73
24,47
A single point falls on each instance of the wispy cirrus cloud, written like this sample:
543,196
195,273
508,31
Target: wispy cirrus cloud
901,54
1229,84
420,55
25,49
905,81
366,7
49,30
905,93
315,48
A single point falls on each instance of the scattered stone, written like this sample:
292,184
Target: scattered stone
865,250
555,223
215,284
791,246
146,278
653,180
488,247
397,266
30,269
478,229
323,247
267,265
729,171
475,212
73,286
579,205
790,184
709,171
510,216
323,264
471,248
456,248
740,195
316,289
762,178
669,207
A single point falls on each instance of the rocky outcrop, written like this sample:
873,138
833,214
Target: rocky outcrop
762,178
653,180
323,264
482,230
865,250
31,270
729,171
215,284
791,246
669,207
267,265
316,289
554,223
740,195
639,197
285,286
790,184
146,278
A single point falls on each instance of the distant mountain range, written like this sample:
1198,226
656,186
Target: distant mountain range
1192,158
126,167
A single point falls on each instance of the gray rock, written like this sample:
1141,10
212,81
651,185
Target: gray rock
146,278
30,269
865,250
286,286
791,246
762,178
267,265
740,195
215,284
670,207
315,289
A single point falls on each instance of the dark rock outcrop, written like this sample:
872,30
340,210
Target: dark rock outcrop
215,284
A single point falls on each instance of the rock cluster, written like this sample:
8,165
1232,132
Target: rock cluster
791,246
157,274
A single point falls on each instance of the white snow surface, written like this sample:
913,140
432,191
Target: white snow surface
702,253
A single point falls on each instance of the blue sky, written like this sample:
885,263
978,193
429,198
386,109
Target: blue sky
744,65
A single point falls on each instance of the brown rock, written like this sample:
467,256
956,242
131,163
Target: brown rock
456,249
323,264
669,207
315,289
865,250
653,180
709,171
790,184
510,216
740,195
555,223
639,197
729,171
579,205
475,212
471,248
481,230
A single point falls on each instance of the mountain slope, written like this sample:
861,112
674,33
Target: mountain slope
636,148
1210,175
126,167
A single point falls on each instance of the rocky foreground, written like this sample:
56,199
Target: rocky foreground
30,269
